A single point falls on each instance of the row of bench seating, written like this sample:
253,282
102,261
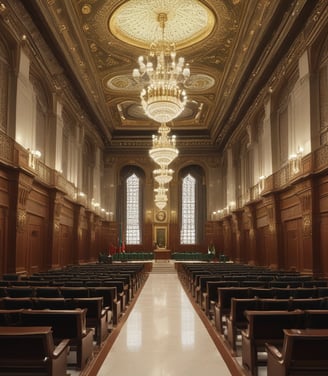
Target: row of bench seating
31,297
226,292
266,327
39,355
98,316
221,308
236,320
65,324
78,313
304,351
204,296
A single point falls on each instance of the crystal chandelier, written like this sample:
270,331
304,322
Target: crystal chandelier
164,150
163,175
161,196
163,97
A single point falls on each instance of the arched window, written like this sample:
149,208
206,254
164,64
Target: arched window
188,210
192,205
130,208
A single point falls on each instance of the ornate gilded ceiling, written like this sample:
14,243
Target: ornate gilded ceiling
229,45
136,22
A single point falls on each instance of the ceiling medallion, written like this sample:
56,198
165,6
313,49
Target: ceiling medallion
135,22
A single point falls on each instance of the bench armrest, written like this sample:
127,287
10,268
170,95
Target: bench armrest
245,333
274,352
62,346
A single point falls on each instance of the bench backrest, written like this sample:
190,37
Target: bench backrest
266,325
93,306
307,303
316,318
10,317
109,295
69,324
30,343
226,293
54,303
239,306
306,348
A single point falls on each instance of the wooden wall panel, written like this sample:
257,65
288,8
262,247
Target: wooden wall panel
3,245
37,251
66,246
245,248
292,245
21,256
324,246
38,203
67,213
4,189
263,243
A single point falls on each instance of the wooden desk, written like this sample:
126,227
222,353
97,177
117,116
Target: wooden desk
162,254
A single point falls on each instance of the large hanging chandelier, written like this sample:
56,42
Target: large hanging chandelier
163,97
164,150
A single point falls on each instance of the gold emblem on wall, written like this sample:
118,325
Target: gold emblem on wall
160,216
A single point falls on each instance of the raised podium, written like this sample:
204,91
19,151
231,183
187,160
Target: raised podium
162,254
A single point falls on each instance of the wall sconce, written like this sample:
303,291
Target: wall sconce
261,183
33,156
294,163
231,206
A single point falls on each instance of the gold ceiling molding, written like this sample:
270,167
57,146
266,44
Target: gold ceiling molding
136,22
196,82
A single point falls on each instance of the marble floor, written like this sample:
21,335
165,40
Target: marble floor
163,335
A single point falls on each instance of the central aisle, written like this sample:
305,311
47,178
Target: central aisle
163,336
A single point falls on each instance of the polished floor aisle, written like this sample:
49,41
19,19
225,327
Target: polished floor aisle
163,336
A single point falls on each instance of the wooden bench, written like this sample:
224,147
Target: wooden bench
237,320
120,287
53,303
97,317
10,317
308,303
110,301
210,296
316,318
223,306
69,324
31,351
202,287
266,326
17,303
304,352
